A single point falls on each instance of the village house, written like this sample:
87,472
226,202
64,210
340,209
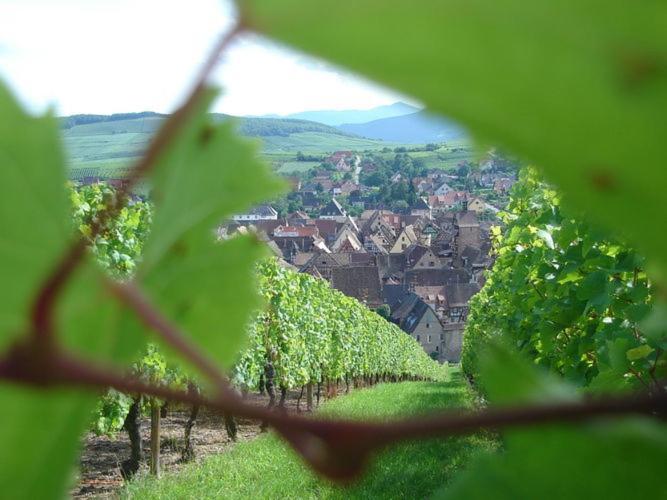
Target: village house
333,211
474,205
435,277
421,208
260,212
467,232
448,201
458,296
376,244
361,282
344,188
341,160
292,240
298,218
419,320
443,189
347,241
405,238
397,177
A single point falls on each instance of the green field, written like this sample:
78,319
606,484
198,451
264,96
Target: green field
267,468
106,148
446,158
294,167
318,142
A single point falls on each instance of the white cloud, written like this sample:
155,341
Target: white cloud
107,56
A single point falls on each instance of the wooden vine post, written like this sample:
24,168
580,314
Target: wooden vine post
155,438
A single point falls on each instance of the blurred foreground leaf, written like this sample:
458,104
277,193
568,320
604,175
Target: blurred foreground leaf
597,460
40,430
40,439
34,213
207,287
579,87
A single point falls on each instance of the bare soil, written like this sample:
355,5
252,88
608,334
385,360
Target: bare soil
99,472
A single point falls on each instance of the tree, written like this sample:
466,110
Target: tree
383,311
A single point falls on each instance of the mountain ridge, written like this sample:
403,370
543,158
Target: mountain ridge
413,128
335,117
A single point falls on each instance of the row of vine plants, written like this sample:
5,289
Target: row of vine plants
307,335
573,299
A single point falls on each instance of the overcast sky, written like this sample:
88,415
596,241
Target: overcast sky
110,56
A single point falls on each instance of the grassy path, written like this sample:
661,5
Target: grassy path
267,468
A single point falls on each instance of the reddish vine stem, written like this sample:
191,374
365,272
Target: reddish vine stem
335,448
42,311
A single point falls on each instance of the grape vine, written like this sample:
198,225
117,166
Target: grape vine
575,300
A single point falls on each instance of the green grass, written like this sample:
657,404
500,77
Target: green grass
267,468
317,142
446,158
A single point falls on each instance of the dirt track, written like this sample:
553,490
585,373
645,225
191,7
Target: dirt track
101,455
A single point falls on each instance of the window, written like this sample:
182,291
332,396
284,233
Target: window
428,325
428,339
431,263
437,348
418,339
442,336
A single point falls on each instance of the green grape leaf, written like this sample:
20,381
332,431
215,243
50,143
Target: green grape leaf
215,307
87,306
33,210
40,430
206,175
40,434
638,353
554,462
577,86
508,378
207,287
596,461
654,326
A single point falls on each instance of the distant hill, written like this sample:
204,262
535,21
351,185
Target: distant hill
111,142
283,127
338,117
74,120
419,127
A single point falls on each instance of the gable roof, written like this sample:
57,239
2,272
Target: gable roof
378,243
410,312
393,295
406,237
299,214
333,209
360,282
421,204
435,277
391,264
466,219
328,228
263,211
459,294
295,231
